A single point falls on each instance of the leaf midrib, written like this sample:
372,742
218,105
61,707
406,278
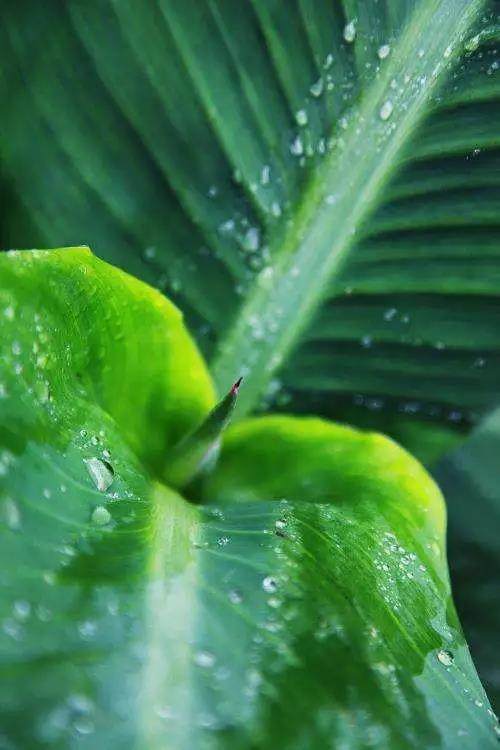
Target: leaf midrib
285,296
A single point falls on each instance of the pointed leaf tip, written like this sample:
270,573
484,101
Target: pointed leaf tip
236,386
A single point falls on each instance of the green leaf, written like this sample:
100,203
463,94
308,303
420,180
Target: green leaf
335,258
470,480
304,604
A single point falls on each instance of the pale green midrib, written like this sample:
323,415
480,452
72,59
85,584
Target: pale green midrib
174,526
356,172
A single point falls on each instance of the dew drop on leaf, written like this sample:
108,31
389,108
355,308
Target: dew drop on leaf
383,51
251,240
445,657
100,472
87,629
301,117
22,609
386,110
204,659
235,597
100,516
83,725
316,88
350,32
12,514
269,585
296,146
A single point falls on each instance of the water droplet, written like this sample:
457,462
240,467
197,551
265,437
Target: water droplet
101,473
472,44
9,312
280,525
274,602
301,117
383,51
150,253
316,88
296,146
16,348
328,61
11,514
22,609
448,51
478,703
235,597
251,239
83,725
366,342
204,659
269,585
386,110
390,313
350,32
87,629
265,175
12,629
445,657
100,516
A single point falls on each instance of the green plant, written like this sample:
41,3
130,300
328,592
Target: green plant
315,185
307,596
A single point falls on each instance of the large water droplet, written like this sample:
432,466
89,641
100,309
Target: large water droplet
101,473
350,32
445,657
100,516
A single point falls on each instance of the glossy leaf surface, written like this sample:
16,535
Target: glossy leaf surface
316,183
304,604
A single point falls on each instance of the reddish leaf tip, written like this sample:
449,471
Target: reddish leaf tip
234,389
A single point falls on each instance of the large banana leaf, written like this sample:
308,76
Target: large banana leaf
315,181
304,604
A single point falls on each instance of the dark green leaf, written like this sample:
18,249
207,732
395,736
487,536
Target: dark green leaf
236,155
